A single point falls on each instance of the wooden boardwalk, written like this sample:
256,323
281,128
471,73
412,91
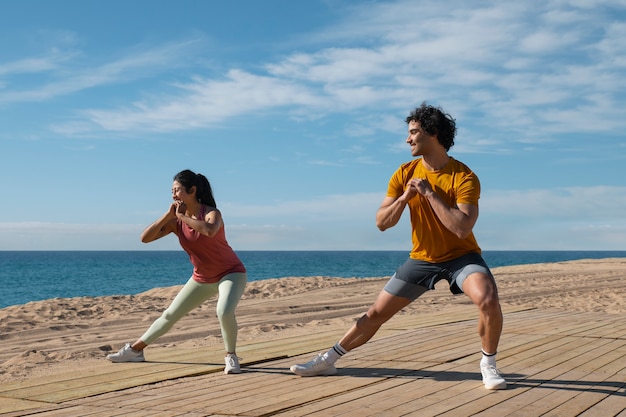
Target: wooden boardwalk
556,363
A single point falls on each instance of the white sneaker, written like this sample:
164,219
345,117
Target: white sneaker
317,367
492,378
232,364
126,354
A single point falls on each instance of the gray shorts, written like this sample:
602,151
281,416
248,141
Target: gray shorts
413,278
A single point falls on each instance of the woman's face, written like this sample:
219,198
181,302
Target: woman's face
180,194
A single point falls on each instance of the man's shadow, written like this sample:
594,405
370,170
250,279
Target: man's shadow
514,381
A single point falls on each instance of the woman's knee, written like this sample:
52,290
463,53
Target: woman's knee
224,312
230,292
169,316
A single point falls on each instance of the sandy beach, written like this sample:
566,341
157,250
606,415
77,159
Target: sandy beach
44,337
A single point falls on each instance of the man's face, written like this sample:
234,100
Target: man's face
418,139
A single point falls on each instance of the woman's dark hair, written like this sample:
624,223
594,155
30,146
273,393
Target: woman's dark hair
434,121
189,179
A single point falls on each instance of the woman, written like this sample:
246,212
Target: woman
195,219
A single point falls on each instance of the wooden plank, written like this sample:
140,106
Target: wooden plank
556,363
454,386
613,405
115,377
583,401
12,406
553,390
351,403
289,397
542,399
329,399
61,391
166,393
172,363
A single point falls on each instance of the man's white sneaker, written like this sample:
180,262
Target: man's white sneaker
126,354
232,364
317,367
492,378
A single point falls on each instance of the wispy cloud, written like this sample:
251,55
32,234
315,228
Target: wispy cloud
515,59
201,103
299,126
29,65
68,73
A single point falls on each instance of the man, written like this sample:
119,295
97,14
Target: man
442,197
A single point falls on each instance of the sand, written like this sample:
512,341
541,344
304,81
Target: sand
66,334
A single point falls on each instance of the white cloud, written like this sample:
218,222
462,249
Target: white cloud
28,65
61,80
514,74
582,218
575,218
595,203
330,208
200,103
508,61
69,236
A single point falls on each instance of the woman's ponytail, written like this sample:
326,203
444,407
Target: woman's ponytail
204,194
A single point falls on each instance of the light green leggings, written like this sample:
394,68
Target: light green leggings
230,289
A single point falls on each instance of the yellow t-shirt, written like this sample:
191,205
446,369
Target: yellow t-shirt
455,184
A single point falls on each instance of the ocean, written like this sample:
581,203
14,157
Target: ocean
39,275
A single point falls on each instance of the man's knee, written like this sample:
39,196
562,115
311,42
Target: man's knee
376,317
489,304
481,288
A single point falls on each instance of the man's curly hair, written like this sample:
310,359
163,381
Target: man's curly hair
434,121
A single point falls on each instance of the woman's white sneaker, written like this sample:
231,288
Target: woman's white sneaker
232,364
126,354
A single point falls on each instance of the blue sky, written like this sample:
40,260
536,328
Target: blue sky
295,112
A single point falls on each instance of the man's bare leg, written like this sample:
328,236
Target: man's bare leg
384,308
482,290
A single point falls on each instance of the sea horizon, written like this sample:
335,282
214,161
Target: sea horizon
36,275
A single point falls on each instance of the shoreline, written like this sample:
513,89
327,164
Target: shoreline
63,334
46,274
